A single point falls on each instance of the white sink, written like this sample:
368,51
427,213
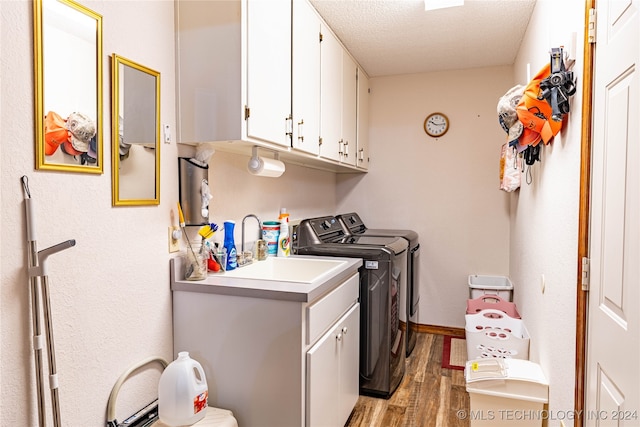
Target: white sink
289,269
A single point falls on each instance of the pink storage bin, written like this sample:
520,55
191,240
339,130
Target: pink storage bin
495,302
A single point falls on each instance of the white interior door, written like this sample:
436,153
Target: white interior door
613,341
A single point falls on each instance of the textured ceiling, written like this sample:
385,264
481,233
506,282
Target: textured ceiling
390,37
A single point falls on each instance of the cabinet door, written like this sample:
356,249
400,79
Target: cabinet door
333,373
306,77
330,95
323,376
349,112
268,87
362,131
349,363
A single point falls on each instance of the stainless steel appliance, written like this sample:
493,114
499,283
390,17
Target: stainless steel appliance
354,225
382,342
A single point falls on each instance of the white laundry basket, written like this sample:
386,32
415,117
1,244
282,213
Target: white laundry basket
507,392
490,333
493,285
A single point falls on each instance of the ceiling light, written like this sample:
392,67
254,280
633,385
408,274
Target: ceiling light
441,4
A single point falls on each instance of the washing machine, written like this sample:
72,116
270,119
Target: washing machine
353,224
382,276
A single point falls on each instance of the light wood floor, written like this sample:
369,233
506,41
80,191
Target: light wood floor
429,396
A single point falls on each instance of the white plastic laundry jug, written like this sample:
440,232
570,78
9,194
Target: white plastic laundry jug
182,392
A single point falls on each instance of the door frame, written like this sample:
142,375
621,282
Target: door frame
583,218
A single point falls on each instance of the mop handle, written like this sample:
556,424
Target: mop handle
37,268
51,352
40,269
44,253
28,203
38,339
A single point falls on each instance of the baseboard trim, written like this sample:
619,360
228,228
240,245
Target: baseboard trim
440,330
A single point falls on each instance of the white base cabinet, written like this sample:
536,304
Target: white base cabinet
275,363
332,389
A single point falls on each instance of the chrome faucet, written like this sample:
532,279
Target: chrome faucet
259,228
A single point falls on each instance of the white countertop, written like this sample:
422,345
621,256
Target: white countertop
218,283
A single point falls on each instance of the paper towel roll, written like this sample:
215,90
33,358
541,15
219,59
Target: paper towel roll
261,166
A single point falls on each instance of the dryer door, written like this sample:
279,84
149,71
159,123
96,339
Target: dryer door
372,316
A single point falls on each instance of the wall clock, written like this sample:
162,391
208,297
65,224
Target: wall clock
436,124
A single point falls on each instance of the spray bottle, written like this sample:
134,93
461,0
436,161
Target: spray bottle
230,245
284,240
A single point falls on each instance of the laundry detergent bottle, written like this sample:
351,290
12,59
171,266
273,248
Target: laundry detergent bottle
284,240
230,245
182,392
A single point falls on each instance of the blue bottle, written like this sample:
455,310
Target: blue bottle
230,245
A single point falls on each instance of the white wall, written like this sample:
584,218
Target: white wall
446,189
544,215
304,192
110,301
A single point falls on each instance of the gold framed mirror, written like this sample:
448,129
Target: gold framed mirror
135,133
68,87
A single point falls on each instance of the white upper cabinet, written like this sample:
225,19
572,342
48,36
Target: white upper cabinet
269,70
362,132
305,103
254,72
234,70
349,105
209,71
330,95
338,91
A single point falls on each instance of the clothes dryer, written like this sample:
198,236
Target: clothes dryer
382,274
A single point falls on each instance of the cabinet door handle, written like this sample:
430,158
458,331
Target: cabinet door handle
346,148
339,337
361,155
344,330
341,147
